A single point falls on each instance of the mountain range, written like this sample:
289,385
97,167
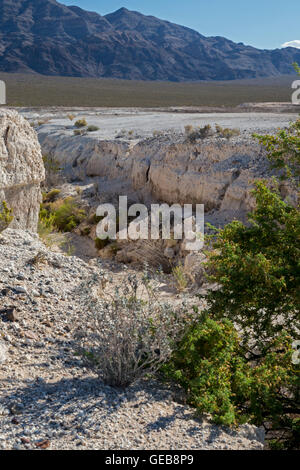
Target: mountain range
46,37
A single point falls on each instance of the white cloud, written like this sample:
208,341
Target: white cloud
295,43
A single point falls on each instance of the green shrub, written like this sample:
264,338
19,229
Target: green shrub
80,123
92,129
63,215
68,215
209,363
52,195
256,267
6,216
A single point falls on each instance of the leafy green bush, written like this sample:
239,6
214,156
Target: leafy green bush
258,273
258,269
6,216
63,215
210,364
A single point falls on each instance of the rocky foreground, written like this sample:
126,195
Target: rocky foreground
49,399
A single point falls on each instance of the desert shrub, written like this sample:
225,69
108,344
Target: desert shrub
198,133
53,171
100,244
283,150
92,128
85,231
45,225
6,216
80,123
63,215
52,195
209,363
130,332
78,132
180,278
68,214
188,129
41,123
157,133
226,132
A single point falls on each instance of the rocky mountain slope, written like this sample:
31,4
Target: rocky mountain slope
46,37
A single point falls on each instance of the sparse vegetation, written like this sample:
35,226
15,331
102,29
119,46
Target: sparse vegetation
132,332
193,134
100,244
52,195
92,128
63,215
226,132
6,216
79,132
53,171
38,90
80,123
180,278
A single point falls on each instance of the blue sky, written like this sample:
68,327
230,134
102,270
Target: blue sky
266,24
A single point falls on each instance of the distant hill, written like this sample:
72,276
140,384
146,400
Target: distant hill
46,37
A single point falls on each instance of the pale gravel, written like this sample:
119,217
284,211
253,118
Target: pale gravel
46,393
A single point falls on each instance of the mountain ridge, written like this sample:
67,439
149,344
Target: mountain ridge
49,38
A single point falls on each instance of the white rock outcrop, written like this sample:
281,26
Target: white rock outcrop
21,169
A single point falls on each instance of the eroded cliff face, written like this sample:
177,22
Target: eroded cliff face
21,169
215,172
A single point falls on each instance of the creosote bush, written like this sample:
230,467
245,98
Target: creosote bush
227,132
92,128
6,216
63,215
198,133
129,333
80,123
